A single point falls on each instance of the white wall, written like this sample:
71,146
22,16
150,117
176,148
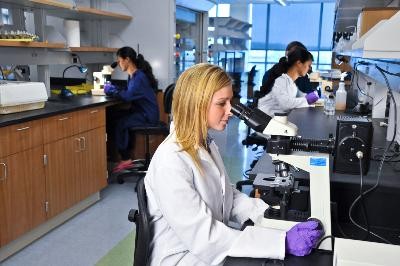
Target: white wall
152,29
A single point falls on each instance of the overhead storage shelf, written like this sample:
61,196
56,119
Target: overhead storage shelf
32,44
93,49
68,11
380,42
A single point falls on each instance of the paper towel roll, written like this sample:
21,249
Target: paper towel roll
72,33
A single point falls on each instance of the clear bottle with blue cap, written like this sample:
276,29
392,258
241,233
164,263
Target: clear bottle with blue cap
330,106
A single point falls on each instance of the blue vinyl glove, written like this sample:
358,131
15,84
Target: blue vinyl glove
110,89
312,97
303,237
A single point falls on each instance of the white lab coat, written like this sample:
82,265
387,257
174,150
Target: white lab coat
282,97
190,212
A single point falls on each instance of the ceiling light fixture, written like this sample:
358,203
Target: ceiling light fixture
281,2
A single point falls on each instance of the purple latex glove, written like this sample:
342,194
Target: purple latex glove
312,97
109,89
302,238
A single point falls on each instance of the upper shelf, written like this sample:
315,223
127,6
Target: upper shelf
68,11
56,46
380,42
93,49
32,44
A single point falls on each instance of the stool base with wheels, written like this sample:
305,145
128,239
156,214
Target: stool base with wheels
142,164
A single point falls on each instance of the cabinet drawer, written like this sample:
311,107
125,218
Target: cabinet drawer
20,137
60,126
91,118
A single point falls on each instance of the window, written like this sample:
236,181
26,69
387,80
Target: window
259,26
5,16
220,10
286,24
185,15
275,26
327,26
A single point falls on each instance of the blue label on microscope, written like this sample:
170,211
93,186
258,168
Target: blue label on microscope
317,161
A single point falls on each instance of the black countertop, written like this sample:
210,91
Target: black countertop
56,105
317,258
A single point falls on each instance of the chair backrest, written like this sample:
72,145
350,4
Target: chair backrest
143,232
168,93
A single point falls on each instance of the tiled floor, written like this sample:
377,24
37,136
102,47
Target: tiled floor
87,237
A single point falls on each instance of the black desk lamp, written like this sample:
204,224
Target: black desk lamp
64,91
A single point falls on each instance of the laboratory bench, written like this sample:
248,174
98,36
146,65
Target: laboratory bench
53,164
381,204
57,105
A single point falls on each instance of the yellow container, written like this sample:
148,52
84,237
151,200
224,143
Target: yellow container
84,88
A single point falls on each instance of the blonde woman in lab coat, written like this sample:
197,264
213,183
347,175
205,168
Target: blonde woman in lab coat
280,92
190,198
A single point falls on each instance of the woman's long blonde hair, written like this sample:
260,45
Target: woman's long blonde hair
191,100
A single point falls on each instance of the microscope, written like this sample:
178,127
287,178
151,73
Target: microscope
288,151
101,78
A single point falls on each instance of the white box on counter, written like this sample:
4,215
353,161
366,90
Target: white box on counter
18,96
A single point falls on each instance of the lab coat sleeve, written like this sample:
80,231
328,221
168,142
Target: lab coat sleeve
245,208
171,181
135,89
281,93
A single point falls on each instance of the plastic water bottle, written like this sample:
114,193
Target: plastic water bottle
341,94
329,107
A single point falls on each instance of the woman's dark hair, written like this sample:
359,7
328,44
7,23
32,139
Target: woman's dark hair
298,54
294,44
140,63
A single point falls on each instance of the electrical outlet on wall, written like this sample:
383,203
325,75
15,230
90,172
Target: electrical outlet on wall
74,59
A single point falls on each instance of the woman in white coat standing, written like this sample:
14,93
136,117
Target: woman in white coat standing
280,91
190,198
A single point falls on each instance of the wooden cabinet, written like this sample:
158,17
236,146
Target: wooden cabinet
76,168
91,118
20,137
22,193
60,126
61,174
76,162
93,162
48,166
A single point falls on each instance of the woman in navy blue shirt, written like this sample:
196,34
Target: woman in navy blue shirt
140,92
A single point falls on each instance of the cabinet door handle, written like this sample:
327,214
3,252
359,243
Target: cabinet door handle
23,128
63,118
94,111
79,144
83,147
5,172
